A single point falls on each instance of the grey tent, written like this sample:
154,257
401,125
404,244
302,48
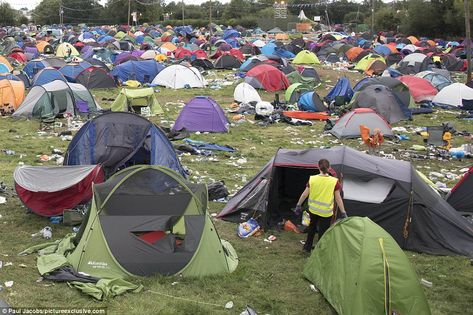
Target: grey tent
414,63
399,89
57,97
348,126
389,192
381,99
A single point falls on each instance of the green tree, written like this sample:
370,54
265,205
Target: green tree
8,15
47,12
387,19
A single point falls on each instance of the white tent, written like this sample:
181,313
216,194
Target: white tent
453,95
179,76
245,93
302,16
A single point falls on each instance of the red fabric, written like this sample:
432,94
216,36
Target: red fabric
200,54
271,78
49,204
419,88
298,114
152,237
237,53
180,53
19,56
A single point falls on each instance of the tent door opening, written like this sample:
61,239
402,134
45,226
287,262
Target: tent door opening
288,183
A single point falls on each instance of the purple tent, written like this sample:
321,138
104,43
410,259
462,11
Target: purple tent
202,113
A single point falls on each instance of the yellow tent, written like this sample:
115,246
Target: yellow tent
66,50
12,93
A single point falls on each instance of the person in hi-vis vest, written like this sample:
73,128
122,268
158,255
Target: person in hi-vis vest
322,190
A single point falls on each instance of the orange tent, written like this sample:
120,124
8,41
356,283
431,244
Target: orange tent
12,93
431,43
282,36
6,63
413,39
353,52
392,47
40,45
169,46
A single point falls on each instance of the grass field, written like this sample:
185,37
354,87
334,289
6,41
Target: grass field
269,276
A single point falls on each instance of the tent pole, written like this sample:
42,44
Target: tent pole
468,39
129,9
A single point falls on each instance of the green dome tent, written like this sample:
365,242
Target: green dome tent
306,57
132,99
360,269
149,220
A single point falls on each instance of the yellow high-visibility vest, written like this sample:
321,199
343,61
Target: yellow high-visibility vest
321,195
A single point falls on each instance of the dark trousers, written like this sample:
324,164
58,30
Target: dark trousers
317,223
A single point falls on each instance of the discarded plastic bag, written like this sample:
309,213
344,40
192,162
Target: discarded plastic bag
248,228
305,218
291,227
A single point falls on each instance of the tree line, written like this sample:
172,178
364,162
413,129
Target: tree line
433,18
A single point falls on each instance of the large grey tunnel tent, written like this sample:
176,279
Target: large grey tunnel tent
403,204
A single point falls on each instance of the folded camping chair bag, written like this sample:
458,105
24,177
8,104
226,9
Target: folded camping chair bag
48,190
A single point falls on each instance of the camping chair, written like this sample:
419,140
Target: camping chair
373,142
438,140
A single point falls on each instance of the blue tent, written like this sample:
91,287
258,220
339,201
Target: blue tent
120,139
268,49
341,88
139,39
311,102
47,75
230,33
71,71
34,66
382,50
233,42
282,52
105,38
4,68
143,71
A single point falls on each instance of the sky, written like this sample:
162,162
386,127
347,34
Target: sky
30,4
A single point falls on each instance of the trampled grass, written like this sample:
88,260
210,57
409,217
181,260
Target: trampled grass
269,276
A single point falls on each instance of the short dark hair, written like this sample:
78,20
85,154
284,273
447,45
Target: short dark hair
324,165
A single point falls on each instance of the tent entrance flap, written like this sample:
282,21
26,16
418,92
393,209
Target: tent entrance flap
374,191
288,184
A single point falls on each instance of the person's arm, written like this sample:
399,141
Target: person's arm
303,197
339,200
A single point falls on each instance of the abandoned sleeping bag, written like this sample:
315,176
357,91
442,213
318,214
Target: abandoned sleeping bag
48,190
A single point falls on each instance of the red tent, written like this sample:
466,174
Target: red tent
199,54
420,89
19,56
181,52
267,77
237,53
48,190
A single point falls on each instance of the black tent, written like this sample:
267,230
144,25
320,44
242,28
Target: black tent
96,62
390,192
95,78
461,197
227,62
202,63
